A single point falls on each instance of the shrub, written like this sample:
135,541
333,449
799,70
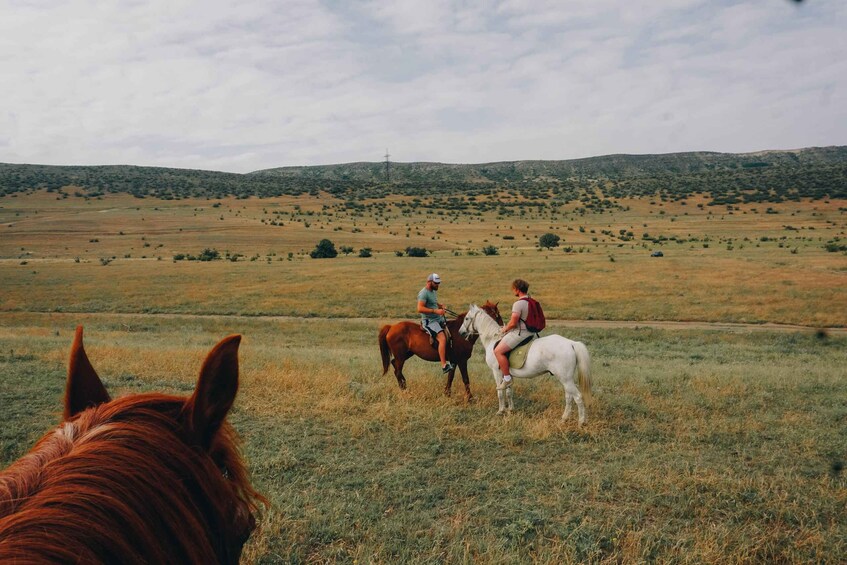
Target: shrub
346,249
835,247
549,240
324,250
365,252
417,252
209,255
489,250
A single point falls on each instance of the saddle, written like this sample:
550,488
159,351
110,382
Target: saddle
432,341
517,356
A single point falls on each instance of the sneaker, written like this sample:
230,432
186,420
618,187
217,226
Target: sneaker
448,367
504,384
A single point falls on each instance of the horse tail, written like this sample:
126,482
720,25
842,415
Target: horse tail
383,347
583,363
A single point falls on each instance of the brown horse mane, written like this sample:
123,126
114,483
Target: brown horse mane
127,481
489,307
493,311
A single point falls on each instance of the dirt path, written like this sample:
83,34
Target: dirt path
611,324
720,326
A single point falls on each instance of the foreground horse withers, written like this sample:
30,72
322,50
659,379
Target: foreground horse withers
560,356
147,478
405,339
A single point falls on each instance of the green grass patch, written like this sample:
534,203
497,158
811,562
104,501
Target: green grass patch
700,446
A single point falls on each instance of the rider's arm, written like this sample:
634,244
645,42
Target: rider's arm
514,321
424,309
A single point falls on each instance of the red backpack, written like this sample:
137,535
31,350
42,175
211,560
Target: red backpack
535,321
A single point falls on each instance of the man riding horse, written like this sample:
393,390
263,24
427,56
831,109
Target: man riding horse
432,318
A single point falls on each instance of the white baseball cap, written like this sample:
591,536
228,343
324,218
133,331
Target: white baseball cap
434,278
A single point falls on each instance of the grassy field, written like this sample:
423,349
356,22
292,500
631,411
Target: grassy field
740,265
701,445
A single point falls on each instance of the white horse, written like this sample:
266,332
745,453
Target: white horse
553,354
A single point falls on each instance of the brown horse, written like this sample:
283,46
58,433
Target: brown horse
147,478
404,339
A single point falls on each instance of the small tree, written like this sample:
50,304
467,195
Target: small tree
209,255
324,250
549,240
365,252
417,251
489,250
346,249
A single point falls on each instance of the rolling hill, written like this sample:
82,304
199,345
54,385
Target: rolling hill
723,178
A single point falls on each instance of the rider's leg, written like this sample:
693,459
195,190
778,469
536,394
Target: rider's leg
500,354
442,348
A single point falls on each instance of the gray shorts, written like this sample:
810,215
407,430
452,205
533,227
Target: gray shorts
513,339
434,327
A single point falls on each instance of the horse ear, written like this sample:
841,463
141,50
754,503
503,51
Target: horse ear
216,388
83,388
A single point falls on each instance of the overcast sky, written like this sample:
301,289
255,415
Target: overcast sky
254,84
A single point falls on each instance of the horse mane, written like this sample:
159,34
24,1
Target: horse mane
490,323
123,481
489,307
456,322
492,310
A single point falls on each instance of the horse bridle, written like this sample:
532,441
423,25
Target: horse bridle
474,331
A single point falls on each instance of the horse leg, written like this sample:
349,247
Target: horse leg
501,394
568,402
448,385
397,362
510,401
573,390
463,368
501,399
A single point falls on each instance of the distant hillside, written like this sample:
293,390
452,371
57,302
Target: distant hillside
726,178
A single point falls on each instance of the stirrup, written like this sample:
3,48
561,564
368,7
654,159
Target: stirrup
504,384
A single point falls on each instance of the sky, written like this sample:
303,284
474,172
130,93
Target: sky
256,84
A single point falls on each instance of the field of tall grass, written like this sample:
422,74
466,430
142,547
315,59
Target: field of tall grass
702,445
117,254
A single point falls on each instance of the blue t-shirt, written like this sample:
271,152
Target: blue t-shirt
430,300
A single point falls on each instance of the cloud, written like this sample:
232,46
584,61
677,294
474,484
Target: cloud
263,84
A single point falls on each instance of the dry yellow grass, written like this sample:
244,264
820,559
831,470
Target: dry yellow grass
700,446
707,285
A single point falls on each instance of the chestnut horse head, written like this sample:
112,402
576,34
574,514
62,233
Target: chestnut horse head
147,478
